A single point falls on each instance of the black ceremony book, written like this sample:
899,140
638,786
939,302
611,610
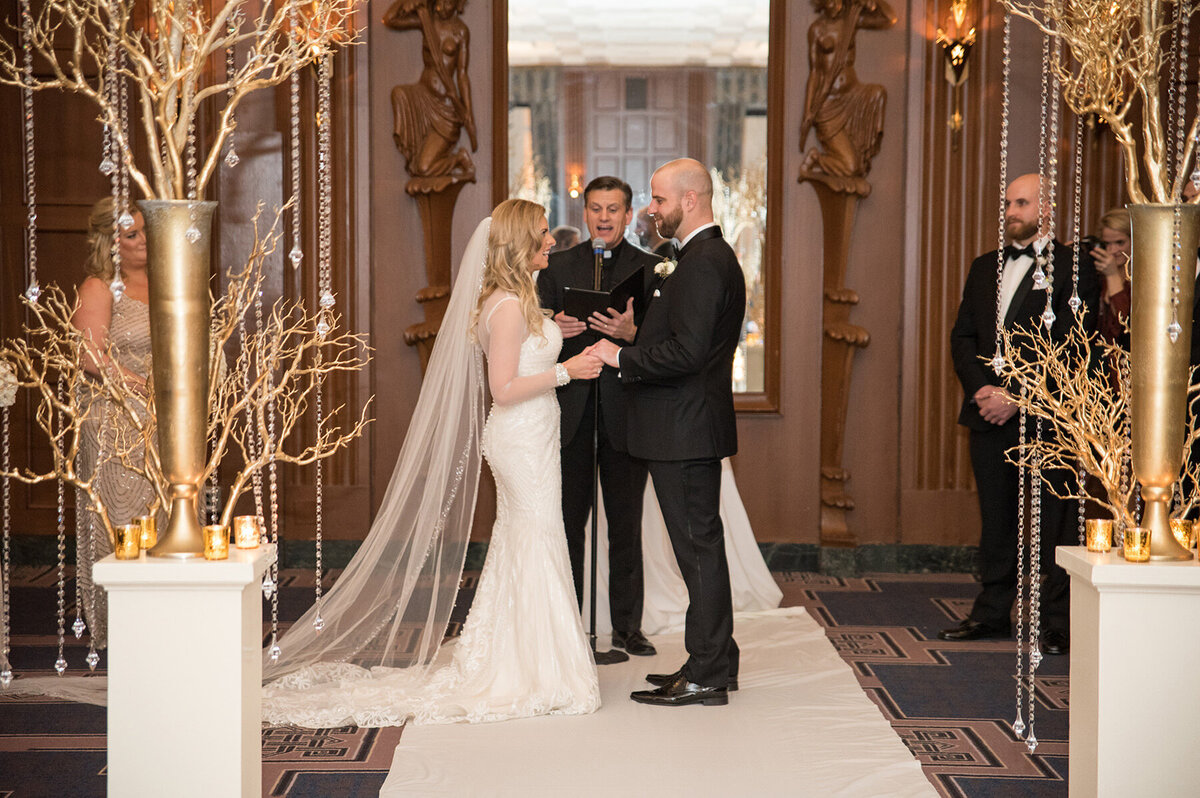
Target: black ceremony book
582,302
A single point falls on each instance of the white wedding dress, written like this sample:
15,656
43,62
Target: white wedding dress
522,651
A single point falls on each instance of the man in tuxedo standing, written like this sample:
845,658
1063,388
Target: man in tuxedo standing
607,211
681,419
990,415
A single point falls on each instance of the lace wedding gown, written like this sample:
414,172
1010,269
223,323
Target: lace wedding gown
522,651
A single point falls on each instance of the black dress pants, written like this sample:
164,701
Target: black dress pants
689,492
623,487
997,482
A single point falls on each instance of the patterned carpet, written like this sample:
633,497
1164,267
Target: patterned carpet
951,703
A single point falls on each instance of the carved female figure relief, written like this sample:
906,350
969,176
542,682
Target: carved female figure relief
431,113
846,115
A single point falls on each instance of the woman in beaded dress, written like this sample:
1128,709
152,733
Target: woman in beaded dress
117,326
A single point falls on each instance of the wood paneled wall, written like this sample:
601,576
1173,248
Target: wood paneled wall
959,215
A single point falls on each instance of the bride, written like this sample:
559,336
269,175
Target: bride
368,652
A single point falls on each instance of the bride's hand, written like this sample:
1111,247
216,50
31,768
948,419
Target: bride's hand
584,366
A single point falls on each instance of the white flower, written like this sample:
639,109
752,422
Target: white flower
665,268
8,385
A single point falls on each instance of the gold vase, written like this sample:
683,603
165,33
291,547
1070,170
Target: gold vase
1159,365
178,234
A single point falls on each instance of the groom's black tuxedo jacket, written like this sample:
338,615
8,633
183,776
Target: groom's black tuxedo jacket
574,267
679,372
973,337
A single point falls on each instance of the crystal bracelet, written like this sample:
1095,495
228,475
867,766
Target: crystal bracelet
561,377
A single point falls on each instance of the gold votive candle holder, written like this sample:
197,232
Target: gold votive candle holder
129,541
149,527
1098,534
1184,531
245,531
1137,544
216,542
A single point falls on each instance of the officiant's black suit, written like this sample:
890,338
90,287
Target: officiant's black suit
622,478
972,344
681,421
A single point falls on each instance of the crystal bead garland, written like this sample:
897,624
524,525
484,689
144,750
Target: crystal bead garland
1036,488
325,285
6,674
1177,104
997,361
1022,448
296,256
231,29
60,664
1075,302
34,290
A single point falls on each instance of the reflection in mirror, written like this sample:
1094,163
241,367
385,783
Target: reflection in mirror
623,92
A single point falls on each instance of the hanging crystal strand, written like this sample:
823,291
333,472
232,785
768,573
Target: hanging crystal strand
106,418
1019,723
60,664
231,28
997,361
325,285
1037,487
34,290
6,674
1039,260
1179,56
297,254
1127,483
122,218
1075,302
273,483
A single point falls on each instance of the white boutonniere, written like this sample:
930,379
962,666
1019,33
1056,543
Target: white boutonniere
665,268
8,386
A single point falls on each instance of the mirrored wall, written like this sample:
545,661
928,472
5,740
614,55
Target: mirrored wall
620,89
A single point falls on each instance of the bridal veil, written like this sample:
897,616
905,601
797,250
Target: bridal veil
391,605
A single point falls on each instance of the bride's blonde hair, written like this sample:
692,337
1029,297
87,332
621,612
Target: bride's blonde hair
514,238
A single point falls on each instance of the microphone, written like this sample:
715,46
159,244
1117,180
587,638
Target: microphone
598,254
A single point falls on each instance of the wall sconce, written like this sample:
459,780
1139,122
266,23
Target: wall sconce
956,41
575,188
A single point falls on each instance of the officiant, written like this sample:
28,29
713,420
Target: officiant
608,210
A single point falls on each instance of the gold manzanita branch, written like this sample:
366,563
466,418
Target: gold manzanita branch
1113,67
166,54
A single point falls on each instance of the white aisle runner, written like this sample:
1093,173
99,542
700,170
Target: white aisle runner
799,726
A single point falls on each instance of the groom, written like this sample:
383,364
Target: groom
680,419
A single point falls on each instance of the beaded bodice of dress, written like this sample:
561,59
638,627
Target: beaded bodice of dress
129,334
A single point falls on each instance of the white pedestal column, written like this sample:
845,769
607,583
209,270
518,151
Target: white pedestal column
185,675
1135,700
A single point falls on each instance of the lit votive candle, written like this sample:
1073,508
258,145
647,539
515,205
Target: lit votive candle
1184,531
216,543
1098,532
245,531
129,540
1137,544
149,527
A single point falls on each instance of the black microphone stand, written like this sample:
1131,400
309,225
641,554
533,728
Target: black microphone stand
613,655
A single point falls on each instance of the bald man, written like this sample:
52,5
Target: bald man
680,419
991,417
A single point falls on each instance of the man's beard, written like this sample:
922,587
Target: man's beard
1022,232
668,223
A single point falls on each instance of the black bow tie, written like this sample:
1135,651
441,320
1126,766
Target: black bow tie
1011,251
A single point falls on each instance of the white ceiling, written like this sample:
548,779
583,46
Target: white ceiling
631,33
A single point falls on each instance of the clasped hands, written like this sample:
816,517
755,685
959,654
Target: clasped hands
995,404
588,363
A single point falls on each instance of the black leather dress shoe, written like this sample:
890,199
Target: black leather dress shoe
680,692
635,643
1055,642
659,679
974,630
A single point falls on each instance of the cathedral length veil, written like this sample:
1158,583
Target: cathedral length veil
392,603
